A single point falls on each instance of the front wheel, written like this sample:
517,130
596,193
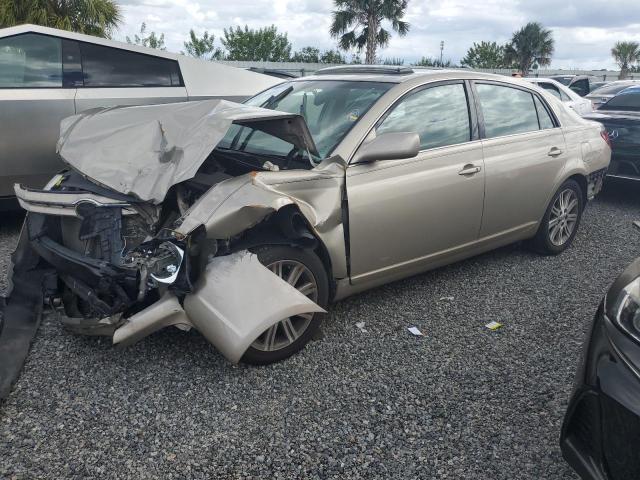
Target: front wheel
561,220
304,271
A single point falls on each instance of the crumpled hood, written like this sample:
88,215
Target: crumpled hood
144,150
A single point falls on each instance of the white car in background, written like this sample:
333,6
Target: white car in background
581,105
48,74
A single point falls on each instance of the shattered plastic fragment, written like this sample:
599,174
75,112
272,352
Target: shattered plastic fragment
415,331
446,299
493,325
360,325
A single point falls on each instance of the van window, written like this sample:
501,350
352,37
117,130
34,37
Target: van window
506,110
440,115
30,61
112,67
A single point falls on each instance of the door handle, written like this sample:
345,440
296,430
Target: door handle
469,169
555,152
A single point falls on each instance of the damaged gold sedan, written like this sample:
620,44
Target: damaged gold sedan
245,221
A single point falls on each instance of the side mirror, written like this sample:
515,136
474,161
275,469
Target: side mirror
389,146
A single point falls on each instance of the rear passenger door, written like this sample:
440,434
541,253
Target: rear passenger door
113,76
524,154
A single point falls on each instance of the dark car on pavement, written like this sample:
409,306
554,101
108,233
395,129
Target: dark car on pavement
621,119
601,432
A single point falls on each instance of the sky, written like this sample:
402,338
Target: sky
584,31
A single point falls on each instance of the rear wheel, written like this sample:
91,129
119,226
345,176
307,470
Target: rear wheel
305,272
561,220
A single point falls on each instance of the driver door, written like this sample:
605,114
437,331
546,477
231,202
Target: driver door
408,215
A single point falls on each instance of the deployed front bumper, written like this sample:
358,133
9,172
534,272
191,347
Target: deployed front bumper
601,432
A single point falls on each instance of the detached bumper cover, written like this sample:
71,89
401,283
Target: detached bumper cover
601,431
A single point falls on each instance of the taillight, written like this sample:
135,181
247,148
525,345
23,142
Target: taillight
605,137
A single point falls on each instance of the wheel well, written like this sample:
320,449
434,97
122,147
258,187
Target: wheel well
288,226
582,181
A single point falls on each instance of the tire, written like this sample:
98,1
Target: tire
275,345
560,223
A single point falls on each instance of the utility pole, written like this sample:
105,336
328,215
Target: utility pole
441,49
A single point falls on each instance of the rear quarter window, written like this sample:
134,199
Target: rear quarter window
112,67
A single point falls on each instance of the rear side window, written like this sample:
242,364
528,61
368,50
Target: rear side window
440,115
506,110
543,115
30,61
112,67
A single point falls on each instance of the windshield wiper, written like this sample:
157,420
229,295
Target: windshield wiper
273,99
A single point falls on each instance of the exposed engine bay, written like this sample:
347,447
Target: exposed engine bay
123,253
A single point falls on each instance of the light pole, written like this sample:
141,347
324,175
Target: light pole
441,49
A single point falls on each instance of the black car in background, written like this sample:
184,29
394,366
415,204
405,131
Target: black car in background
621,119
601,432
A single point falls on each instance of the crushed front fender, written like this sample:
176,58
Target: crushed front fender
237,298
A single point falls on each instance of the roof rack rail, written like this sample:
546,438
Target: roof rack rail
365,69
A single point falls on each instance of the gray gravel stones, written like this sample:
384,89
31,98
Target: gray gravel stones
461,402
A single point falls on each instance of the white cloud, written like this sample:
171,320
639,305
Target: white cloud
584,31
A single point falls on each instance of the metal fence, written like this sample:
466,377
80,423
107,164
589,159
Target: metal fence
304,69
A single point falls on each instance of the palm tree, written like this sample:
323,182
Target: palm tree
93,17
531,45
358,24
625,55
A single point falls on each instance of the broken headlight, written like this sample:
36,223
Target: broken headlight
626,309
166,263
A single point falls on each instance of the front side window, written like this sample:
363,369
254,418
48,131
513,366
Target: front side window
30,61
506,110
112,67
330,108
440,115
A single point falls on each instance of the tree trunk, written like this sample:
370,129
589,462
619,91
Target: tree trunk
372,39
624,72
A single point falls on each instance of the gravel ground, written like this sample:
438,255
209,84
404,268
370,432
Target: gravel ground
461,402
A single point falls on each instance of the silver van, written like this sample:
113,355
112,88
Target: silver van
48,74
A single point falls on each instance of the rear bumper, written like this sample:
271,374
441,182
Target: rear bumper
601,431
625,166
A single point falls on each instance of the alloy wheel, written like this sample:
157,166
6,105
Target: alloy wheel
563,218
287,331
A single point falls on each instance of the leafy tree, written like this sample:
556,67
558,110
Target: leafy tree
531,45
626,54
313,55
92,17
485,55
358,24
202,47
265,44
393,61
355,59
433,62
151,41
307,55
332,56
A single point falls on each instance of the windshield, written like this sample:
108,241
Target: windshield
330,108
627,100
612,88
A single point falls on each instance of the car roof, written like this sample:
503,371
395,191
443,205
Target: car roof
407,75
